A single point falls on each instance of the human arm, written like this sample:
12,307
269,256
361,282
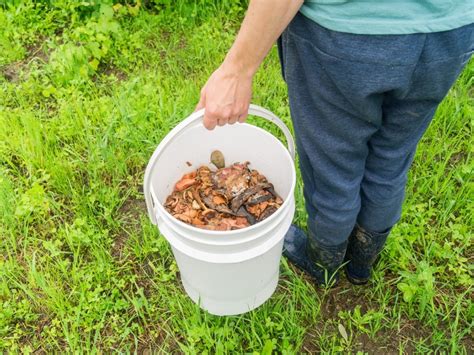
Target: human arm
227,93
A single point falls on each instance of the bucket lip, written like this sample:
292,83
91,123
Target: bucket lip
216,257
207,232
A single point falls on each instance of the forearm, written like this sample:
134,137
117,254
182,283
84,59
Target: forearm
228,91
264,22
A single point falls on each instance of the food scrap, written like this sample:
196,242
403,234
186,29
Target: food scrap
229,198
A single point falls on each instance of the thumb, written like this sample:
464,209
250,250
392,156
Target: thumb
202,102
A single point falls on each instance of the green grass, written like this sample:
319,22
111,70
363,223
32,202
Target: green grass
86,94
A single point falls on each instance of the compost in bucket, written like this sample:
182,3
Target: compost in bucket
228,198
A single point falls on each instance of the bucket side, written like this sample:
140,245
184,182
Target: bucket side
232,253
233,288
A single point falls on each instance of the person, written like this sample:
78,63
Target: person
364,80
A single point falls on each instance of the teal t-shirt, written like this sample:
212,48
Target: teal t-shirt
390,16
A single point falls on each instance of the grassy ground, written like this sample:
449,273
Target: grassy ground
86,94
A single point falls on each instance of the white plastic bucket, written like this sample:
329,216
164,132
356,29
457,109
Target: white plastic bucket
225,272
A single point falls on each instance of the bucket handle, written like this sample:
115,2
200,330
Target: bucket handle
194,118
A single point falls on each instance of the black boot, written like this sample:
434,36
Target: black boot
318,260
328,258
362,251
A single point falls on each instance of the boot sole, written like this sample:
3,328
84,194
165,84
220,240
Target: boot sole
355,280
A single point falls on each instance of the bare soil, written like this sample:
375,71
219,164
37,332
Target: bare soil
34,52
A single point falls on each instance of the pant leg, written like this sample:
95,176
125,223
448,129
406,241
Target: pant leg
407,113
336,85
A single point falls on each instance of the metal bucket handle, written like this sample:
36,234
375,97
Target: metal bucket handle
193,119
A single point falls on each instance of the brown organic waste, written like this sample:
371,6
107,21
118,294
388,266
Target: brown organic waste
229,198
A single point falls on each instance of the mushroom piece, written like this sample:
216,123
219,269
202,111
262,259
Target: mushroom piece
217,158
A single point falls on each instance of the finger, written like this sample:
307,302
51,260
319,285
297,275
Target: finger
210,118
202,103
243,117
209,123
222,121
212,115
233,119
235,114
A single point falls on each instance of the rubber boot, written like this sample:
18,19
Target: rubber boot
362,251
318,260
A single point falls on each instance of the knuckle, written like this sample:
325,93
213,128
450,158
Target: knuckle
212,111
226,113
236,110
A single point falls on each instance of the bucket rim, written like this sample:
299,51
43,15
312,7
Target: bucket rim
191,228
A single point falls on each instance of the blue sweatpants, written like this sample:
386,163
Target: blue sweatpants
359,105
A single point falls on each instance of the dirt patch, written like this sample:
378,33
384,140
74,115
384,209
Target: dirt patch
114,71
468,342
346,297
456,158
11,72
131,210
119,245
110,70
343,297
182,44
389,341
363,342
34,52
155,340
309,344
129,214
